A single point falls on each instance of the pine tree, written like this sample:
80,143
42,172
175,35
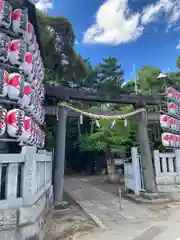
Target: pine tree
110,76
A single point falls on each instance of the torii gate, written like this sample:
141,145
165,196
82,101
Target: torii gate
64,110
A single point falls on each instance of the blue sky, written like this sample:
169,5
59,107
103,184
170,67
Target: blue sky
140,32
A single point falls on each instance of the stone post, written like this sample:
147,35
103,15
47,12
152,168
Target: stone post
59,158
29,186
146,156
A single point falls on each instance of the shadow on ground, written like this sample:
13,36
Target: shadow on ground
71,224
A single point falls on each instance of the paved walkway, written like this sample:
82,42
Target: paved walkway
134,221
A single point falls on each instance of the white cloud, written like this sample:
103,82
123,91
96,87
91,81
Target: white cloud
115,23
44,5
150,13
76,42
178,46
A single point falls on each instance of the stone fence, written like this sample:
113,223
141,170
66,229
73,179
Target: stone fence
26,195
167,171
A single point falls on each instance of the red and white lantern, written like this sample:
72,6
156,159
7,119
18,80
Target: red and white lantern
26,99
3,116
17,52
32,46
27,133
15,123
5,13
41,139
4,81
172,108
165,139
16,86
164,121
172,140
4,47
30,33
20,21
27,64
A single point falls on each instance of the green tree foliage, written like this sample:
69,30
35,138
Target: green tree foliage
62,62
129,87
178,62
110,76
147,80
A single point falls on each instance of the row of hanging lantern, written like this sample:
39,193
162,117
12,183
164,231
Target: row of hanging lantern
170,140
17,89
173,94
20,126
170,121
24,85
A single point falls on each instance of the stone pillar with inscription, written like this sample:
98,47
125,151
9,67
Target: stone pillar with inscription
29,186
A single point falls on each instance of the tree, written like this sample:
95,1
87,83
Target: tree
128,87
178,62
147,80
110,75
110,137
63,63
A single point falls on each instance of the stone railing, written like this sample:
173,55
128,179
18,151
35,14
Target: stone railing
26,197
167,171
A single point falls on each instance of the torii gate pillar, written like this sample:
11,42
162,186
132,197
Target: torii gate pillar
59,156
146,155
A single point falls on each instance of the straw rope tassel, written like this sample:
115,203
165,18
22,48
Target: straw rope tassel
96,116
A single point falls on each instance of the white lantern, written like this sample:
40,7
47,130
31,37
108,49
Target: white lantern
20,21
5,13
3,115
4,81
15,123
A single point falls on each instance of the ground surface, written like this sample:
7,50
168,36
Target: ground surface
70,225
132,222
